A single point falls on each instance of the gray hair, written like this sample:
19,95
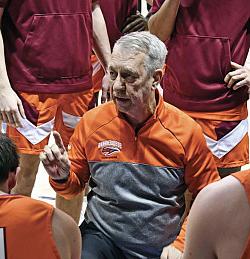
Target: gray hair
145,42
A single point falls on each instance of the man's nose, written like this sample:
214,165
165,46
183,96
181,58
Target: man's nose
119,83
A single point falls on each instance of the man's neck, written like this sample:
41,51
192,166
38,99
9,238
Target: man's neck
137,123
140,118
3,189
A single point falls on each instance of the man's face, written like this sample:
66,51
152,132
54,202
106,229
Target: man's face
130,82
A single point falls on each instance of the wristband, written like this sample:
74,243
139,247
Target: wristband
61,181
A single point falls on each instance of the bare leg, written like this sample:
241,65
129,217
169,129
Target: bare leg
27,176
71,207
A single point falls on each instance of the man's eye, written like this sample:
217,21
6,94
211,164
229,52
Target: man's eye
113,75
130,79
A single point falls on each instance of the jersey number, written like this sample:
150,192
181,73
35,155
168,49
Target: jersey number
2,244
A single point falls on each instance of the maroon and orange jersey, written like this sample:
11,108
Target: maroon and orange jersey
48,45
201,47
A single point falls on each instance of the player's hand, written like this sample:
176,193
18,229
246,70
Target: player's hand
136,22
105,88
170,252
239,77
11,108
55,159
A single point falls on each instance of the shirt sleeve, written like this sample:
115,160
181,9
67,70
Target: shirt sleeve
79,169
200,170
200,167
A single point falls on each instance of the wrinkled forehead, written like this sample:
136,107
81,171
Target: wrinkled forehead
124,57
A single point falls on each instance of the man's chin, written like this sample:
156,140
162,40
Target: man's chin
122,102
122,106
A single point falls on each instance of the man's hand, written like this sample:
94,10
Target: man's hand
136,22
11,108
55,159
170,252
239,77
105,88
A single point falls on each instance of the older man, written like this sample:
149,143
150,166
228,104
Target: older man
121,17
140,155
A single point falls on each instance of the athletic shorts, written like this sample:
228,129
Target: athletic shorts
226,134
47,112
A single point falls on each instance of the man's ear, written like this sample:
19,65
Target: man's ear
158,74
12,179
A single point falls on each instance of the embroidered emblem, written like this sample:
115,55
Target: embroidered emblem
109,147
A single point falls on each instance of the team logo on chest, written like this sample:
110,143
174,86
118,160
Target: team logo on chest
110,147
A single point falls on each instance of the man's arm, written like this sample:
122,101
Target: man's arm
11,108
67,235
58,166
162,23
68,175
150,2
100,36
217,225
101,45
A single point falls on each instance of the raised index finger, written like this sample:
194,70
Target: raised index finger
59,142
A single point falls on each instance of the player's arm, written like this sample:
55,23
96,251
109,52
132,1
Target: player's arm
201,230
162,23
216,226
101,45
150,2
67,235
100,36
11,109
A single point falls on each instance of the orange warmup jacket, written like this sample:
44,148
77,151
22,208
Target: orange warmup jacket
138,178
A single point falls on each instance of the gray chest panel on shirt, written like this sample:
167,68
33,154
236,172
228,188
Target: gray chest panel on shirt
138,206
